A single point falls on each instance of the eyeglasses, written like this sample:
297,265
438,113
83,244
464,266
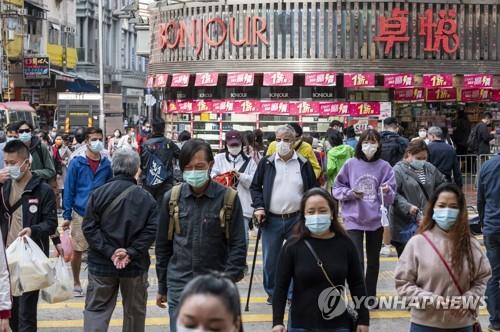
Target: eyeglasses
24,131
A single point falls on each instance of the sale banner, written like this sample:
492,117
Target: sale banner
206,79
275,107
304,108
478,81
160,81
359,80
202,105
246,106
364,109
240,79
399,80
476,95
324,78
180,80
333,108
150,81
360,125
184,106
438,80
441,94
495,95
278,79
409,95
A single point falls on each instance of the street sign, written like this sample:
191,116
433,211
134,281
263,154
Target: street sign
150,100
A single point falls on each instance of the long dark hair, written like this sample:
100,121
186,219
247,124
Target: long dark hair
368,135
300,230
459,234
219,285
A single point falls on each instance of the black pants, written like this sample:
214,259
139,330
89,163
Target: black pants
373,246
24,312
159,191
399,247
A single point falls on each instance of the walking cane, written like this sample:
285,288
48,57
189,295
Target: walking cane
259,233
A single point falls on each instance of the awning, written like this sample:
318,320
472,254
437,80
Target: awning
55,26
63,76
36,4
80,85
17,106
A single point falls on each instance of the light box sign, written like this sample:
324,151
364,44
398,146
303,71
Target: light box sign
36,68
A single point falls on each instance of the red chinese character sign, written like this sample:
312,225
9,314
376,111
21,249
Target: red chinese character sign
180,80
321,79
398,80
438,80
150,81
240,79
478,81
359,80
393,29
442,94
476,95
409,95
278,79
160,81
364,109
495,95
206,79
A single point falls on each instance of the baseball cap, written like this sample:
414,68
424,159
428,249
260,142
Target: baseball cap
233,137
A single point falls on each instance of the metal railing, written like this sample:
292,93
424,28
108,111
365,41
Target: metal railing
470,165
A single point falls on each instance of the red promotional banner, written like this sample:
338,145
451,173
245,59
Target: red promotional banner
478,81
180,80
359,80
332,108
240,79
476,95
324,78
438,80
495,95
150,80
304,108
364,109
202,105
441,94
278,79
183,106
160,81
360,125
275,107
409,94
206,79
399,80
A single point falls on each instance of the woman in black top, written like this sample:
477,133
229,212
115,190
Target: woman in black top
312,307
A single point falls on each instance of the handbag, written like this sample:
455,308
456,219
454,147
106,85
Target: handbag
351,312
476,327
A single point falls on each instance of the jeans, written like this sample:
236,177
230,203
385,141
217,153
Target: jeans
274,232
421,328
173,297
373,246
24,309
492,244
341,329
400,247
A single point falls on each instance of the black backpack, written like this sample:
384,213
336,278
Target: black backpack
159,157
473,140
393,149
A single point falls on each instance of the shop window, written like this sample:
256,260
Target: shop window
54,34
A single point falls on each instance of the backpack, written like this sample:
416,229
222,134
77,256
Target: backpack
225,215
473,140
393,150
158,160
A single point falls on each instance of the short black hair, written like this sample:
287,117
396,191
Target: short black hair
487,115
350,132
12,126
391,121
16,146
335,138
192,147
369,134
80,134
158,126
92,130
21,123
184,136
297,128
336,123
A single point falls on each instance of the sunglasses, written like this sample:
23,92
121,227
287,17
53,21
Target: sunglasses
24,131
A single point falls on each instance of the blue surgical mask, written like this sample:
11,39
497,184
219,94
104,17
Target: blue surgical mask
445,218
15,171
417,164
25,137
196,178
318,223
96,146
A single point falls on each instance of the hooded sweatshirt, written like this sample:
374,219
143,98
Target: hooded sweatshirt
366,177
337,157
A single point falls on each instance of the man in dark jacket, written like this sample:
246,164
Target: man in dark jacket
120,226
393,144
484,134
443,156
157,161
277,189
28,208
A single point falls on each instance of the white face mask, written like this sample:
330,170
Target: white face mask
422,134
369,149
234,150
283,148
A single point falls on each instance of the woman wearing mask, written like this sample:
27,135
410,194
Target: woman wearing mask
422,134
359,187
416,180
243,167
318,231
114,141
210,303
443,263
60,154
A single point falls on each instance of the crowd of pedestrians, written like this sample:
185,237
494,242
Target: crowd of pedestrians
321,205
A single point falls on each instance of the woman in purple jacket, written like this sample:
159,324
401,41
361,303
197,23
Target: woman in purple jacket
359,187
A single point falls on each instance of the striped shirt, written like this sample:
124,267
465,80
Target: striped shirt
421,175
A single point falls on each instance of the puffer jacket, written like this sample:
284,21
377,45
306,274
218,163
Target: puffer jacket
5,297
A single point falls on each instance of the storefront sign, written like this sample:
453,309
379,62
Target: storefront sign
278,79
177,34
180,80
36,68
478,81
438,80
275,107
398,80
131,92
364,109
441,94
304,108
160,81
206,79
409,94
150,80
333,108
240,79
476,95
360,125
328,78
359,80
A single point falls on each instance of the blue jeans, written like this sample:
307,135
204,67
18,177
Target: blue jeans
173,297
421,328
341,329
492,244
274,232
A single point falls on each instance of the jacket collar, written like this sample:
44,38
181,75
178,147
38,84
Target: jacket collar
210,192
302,160
123,177
30,186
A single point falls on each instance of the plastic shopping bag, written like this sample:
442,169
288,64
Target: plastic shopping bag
62,289
31,268
67,246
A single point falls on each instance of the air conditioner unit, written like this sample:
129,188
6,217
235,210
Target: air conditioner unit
67,29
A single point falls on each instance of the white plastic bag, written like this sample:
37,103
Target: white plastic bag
62,289
30,268
384,213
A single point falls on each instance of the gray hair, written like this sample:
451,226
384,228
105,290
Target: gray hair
435,131
125,161
286,129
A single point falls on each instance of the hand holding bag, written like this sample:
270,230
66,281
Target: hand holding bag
62,289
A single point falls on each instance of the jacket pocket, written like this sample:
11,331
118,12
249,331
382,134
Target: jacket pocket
210,227
182,238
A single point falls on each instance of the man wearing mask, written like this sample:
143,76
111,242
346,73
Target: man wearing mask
28,208
85,173
277,189
200,229
42,165
443,156
10,134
